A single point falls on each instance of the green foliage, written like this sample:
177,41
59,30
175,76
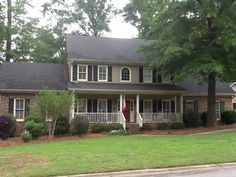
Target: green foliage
62,126
79,125
26,136
229,117
35,129
191,119
203,118
147,126
177,126
102,127
234,106
7,126
36,119
163,126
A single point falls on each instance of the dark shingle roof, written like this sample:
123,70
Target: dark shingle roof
193,86
124,86
32,76
102,48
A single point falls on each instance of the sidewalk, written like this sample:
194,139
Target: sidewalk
163,171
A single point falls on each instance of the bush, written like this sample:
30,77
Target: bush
36,119
26,136
203,118
79,125
119,132
163,126
177,125
62,126
229,117
7,126
149,126
191,119
35,129
101,127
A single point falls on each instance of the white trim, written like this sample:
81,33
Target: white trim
129,74
163,106
86,78
150,68
14,108
106,73
151,106
98,105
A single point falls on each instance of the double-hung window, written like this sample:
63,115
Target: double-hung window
166,106
189,106
82,72
102,106
19,108
147,106
147,74
125,74
102,73
217,110
81,106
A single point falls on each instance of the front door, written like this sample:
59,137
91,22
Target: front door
126,110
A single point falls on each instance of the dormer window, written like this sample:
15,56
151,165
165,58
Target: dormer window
82,72
125,74
102,73
147,75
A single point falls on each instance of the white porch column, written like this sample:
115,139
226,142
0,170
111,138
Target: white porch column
137,103
121,103
181,104
72,107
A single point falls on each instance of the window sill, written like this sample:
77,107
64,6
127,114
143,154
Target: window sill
19,120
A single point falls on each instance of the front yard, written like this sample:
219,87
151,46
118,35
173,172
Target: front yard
115,153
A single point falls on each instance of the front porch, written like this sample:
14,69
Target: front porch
126,109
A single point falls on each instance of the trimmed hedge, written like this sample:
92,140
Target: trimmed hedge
191,119
36,119
62,126
35,129
79,125
7,126
229,117
101,127
163,126
177,126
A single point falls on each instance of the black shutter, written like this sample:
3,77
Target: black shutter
11,105
141,106
90,105
195,104
27,107
154,106
141,74
109,105
159,105
184,106
159,79
222,106
95,73
95,105
74,73
90,73
172,106
109,73
154,76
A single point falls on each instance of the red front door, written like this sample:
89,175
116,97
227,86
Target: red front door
126,111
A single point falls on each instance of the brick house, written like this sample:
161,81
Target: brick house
112,82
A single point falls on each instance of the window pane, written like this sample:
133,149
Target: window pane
189,106
102,73
147,106
82,106
125,74
217,110
166,106
102,106
82,72
147,74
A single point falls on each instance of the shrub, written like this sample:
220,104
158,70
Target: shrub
203,118
35,129
177,125
79,125
163,126
62,126
101,127
26,136
149,126
191,119
36,119
119,132
7,126
229,117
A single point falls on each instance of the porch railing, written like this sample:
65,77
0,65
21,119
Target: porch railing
161,117
122,120
102,117
139,120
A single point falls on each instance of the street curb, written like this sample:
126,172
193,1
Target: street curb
130,173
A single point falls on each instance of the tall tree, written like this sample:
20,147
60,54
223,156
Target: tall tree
198,36
9,31
2,30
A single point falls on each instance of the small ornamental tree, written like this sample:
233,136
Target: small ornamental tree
53,105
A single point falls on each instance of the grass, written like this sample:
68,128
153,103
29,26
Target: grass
116,153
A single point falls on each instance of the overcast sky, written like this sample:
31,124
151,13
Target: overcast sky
119,29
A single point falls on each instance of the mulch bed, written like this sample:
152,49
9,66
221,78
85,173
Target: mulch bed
17,140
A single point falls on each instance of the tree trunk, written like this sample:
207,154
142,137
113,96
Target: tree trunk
8,43
53,128
211,100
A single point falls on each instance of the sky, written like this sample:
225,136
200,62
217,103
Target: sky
119,28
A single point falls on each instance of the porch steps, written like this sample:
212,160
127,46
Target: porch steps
133,128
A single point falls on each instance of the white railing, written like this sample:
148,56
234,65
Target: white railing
102,117
139,120
161,117
122,120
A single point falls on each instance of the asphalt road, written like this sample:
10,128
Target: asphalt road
215,170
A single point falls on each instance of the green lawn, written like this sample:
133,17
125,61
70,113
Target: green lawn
116,153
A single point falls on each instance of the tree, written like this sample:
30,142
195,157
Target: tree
53,105
198,36
2,30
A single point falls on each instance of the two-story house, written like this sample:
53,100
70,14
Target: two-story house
115,83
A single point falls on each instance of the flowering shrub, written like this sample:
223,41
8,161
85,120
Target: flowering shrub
7,126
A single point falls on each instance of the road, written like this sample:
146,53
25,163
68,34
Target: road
215,170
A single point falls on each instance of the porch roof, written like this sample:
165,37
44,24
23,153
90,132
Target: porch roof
125,87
